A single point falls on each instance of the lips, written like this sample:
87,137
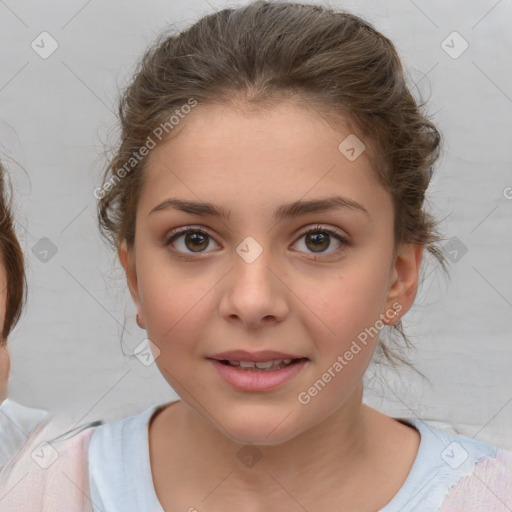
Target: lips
255,379
263,370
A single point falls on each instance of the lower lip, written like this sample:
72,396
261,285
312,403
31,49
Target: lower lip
248,380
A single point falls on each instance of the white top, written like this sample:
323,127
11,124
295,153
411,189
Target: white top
121,480
16,423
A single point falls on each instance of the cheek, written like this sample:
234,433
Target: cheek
174,307
345,337
346,307
176,313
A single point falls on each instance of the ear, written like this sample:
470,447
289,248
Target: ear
404,281
127,259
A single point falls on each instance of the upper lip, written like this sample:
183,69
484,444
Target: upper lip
244,355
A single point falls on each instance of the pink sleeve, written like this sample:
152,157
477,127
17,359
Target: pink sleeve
48,477
488,488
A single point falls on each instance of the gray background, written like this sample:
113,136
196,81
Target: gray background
57,121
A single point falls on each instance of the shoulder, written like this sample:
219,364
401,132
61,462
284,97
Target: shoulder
488,486
112,439
52,462
118,457
445,462
16,423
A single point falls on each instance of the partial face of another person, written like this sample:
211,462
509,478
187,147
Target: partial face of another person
4,353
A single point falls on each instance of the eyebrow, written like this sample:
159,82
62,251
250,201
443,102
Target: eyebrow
293,209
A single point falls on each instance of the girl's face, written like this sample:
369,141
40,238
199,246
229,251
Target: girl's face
4,353
253,280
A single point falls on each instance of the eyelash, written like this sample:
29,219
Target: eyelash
198,229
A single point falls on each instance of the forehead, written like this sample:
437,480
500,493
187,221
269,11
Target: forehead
273,156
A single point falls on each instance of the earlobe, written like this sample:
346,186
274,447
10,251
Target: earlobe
404,282
126,257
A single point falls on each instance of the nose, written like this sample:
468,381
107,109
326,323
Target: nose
255,293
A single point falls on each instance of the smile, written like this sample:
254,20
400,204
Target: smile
258,375
269,366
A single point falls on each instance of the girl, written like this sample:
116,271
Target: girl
16,421
40,469
266,203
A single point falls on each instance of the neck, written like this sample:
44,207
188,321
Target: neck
331,463
332,450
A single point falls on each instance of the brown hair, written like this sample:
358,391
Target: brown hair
11,256
266,52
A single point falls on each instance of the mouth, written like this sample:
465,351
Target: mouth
257,371
261,366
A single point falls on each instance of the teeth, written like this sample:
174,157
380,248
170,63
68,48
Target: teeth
262,365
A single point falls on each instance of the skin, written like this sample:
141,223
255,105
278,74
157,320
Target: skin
5,360
292,299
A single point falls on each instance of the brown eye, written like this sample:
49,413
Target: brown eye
319,239
196,242
190,240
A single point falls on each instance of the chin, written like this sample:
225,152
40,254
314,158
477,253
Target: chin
259,429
